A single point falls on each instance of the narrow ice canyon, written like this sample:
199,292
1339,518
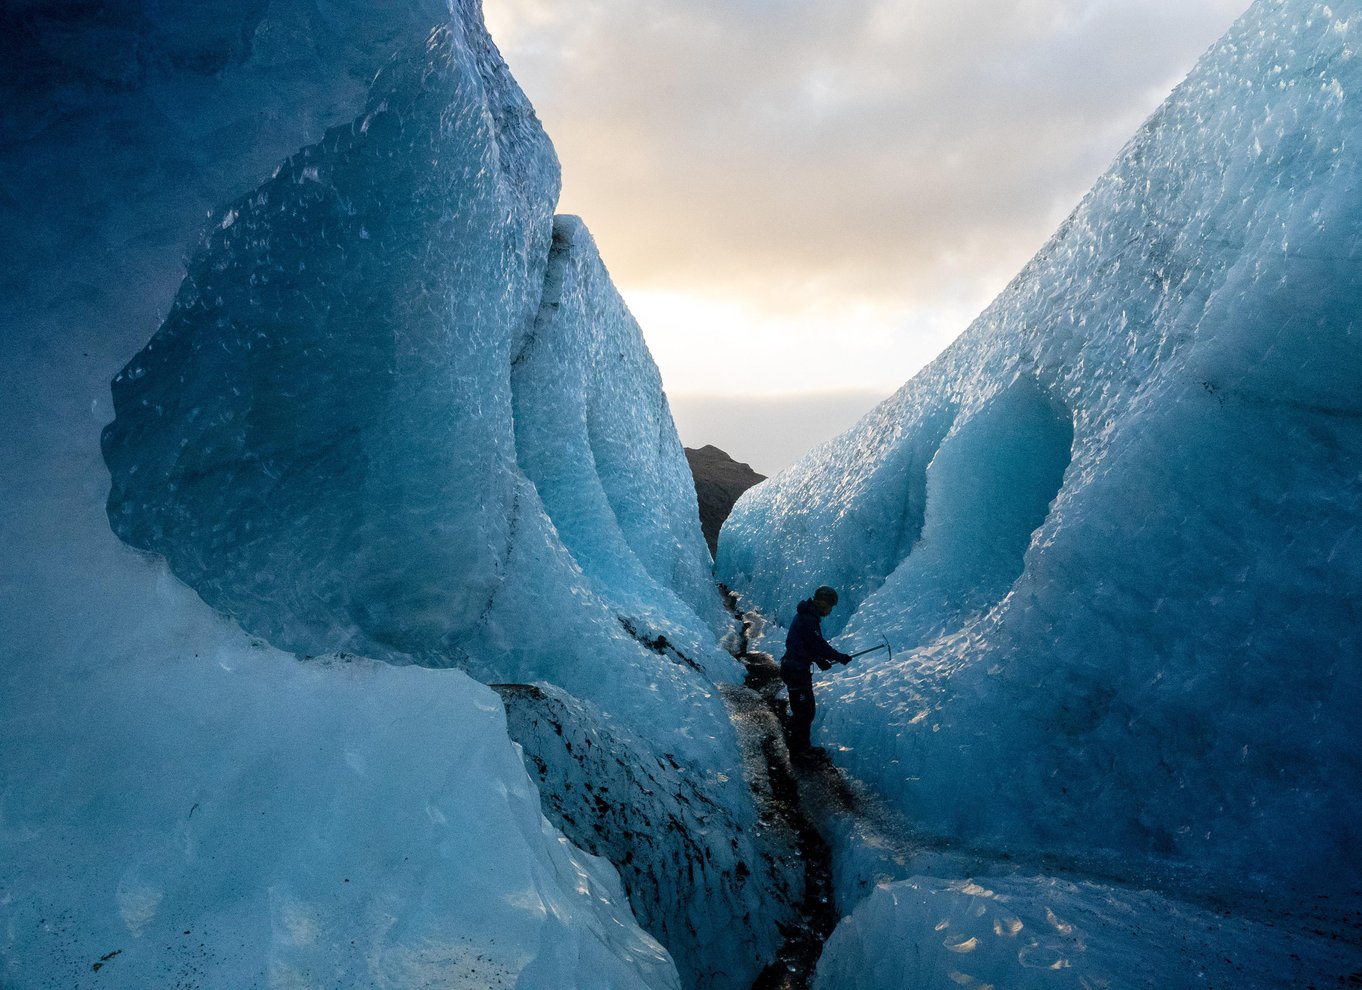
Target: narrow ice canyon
359,630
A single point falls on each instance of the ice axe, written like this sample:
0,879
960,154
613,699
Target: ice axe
883,645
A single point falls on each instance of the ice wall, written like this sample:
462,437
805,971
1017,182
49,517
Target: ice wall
318,438
1112,532
184,806
320,441
1045,934
378,409
595,435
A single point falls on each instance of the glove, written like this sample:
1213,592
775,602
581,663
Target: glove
823,664
844,658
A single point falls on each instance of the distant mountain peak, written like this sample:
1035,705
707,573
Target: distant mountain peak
719,483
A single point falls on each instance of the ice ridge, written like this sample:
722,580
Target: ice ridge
321,441
317,438
1113,530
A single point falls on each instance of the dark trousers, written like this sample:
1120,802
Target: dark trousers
801,709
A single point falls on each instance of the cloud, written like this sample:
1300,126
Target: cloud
731,345
777,149
803,201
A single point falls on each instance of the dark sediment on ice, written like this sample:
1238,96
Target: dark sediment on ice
688,867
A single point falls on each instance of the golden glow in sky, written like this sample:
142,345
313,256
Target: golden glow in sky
808,197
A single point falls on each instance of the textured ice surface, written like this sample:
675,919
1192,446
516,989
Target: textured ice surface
181,803
1032,933
318,439
184,806
595,435
384,416
1113,531
714,889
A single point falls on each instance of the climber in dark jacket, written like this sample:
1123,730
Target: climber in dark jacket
804,646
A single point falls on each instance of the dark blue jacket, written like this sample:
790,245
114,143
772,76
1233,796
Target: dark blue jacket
805,645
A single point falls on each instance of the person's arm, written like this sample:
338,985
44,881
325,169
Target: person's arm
815,646
830,654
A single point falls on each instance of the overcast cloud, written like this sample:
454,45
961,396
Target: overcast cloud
760,172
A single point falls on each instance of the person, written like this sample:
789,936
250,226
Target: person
805,646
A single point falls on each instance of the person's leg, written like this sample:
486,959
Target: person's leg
802,712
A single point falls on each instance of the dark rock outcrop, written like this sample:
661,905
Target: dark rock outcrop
719,481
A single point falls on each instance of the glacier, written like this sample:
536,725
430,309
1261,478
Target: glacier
1112,534
1030,933
187,806
383,429
356,624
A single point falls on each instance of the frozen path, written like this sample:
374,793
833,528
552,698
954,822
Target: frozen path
781,784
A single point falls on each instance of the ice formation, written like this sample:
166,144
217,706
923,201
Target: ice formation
614,797
357,428
317,438
1045,934
382,416
186,807
595,436
395,410
1112,532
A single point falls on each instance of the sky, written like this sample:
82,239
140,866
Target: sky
803,201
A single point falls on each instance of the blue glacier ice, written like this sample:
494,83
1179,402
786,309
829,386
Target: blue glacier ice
1112,532
317,438
387,426
184,806
1032,933
595,435
365,635
352,429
